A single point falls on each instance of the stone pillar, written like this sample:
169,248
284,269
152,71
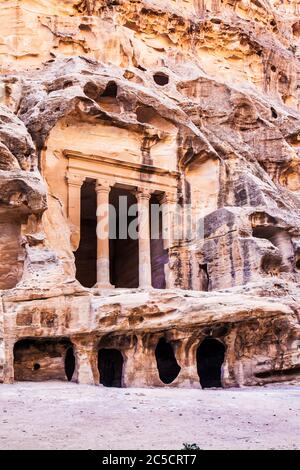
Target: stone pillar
103,277
75,183
168,202
84,356
143,199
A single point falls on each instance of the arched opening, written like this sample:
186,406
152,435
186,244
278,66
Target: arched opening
46,359
167,365
161,78
70,363
210,357
110,366
86,255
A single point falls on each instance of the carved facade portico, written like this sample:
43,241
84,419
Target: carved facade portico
143,181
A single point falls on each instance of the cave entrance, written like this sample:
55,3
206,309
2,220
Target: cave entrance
45,359
86,255
210,357
167,365
70,363
123,249
110,366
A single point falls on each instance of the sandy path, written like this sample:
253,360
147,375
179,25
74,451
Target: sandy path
57,415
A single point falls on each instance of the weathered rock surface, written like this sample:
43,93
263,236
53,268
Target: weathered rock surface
197,94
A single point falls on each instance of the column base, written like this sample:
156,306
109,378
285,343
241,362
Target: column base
146,287
99,285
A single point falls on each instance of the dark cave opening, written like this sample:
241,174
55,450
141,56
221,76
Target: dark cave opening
110,366
161,78
210,357
111,90
42,359
70,363
167,365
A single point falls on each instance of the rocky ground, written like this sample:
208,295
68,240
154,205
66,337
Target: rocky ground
57,415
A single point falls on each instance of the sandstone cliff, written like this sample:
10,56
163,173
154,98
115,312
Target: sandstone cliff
198,96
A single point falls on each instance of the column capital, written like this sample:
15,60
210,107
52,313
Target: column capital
75,180
168,198
103,186
142,194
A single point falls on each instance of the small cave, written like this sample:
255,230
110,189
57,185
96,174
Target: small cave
110,367
298,263
210,357
108,99
273,68
167,365
271,264
85,27
111,90
296,29
37,360
274,113
161,79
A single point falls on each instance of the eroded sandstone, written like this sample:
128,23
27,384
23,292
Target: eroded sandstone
187,103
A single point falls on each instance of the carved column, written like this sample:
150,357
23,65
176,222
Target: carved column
84,353
143,199
75,183
168,202
103,272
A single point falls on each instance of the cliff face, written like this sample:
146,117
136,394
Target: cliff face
197,101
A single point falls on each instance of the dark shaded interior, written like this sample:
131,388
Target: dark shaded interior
167,365
110,366
111,90
161,78
70,363
86,255
159,256
204,278
124,251
45,359
210,357
278,373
